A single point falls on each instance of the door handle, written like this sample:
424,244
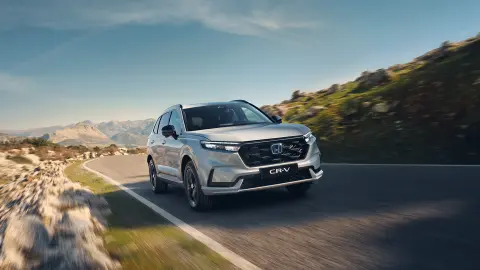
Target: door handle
152,141
164,141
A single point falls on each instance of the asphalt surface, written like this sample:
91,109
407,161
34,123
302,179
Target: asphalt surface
356,217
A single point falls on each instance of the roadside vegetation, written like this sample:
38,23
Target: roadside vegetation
47,150
19,159
425,111
139,238
42,148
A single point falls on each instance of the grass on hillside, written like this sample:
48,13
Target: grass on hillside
139,238
19,159
436,118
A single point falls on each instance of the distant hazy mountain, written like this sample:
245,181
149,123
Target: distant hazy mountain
131,132
139,127
127,138
80,133
34,132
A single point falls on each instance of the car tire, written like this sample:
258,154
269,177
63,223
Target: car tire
299,189
193,190
158,186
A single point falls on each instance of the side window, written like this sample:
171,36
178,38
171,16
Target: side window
163,122
251,116
176,121
155,127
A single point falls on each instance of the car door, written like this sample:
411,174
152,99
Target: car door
173,147
152,138
160,145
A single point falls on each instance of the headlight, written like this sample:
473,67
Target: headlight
226,146
308,137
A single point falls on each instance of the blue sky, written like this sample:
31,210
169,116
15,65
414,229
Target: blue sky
66,61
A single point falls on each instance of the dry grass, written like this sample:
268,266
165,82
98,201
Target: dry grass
141,239
19,159
135,151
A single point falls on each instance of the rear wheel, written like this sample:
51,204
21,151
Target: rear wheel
196,199
299,189
158,186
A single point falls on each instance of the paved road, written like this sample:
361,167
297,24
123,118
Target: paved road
357,217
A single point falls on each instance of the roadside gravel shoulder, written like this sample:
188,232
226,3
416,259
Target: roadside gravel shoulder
49,222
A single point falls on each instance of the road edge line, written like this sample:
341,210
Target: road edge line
229,255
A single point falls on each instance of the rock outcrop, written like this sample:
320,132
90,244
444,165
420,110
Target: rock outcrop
314,110
49,222
372,79
334,88
297,94
279,110
438,53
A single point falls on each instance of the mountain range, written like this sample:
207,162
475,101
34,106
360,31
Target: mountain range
125,133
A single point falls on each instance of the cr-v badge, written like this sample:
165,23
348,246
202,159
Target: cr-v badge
279,170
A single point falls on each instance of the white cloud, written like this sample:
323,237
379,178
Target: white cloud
244,17
15,84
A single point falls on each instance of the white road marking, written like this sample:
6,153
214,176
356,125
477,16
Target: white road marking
234,258
401,165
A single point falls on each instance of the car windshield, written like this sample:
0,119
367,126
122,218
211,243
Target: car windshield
224,115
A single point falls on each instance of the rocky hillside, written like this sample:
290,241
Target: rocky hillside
427,110
81,133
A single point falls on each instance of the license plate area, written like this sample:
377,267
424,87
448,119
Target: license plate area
279,171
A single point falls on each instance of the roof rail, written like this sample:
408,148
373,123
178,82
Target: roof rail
174,106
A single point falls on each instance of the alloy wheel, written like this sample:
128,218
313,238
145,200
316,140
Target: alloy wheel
153,175
192,187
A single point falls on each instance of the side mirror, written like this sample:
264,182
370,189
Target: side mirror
168,131
277,119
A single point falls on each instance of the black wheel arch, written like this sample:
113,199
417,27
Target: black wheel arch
149,158
185,160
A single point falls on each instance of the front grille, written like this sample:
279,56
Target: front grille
259,153
253,181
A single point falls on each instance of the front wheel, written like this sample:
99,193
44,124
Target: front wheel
299,189
158,186
196,199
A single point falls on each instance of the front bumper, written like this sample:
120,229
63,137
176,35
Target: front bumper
237,188
229,174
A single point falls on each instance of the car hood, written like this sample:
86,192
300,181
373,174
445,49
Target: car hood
253,132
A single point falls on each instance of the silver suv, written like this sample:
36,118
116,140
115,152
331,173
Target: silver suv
229,147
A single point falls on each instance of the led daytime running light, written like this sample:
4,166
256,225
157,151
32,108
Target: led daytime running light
308,137
226,146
